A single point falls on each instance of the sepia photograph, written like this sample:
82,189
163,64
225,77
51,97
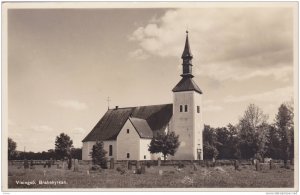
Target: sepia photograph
171,96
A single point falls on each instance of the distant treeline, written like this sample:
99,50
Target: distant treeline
76,153
253,136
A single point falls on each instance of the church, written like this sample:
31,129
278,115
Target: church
127,132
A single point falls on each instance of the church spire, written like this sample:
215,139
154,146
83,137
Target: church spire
187,59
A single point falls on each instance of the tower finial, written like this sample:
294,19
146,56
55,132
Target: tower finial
187,58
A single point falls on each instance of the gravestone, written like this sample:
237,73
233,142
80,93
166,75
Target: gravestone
63,164
45,164
271,164
160,172
195,167
159,161
26,164
257,165
76,165
49,164
236,165
31,163
112,163
69,163
143,169
129,165
138,165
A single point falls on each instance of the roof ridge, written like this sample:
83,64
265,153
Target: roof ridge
140,106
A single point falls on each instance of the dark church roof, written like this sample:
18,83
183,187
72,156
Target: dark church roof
142,127
109,126
187,84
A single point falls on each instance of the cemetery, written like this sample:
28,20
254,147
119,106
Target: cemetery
150,174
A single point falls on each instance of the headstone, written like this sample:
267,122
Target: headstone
159,161
26,164
70,163
129,165
271,164
31,163
160,172
88,172
76,165
257,165
195,167
112,163
138,165
143,169
44,172
49,163
63,165
236,165
45,164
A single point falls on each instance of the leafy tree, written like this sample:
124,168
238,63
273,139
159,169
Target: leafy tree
98,155
63,145
76,153
284,122
210,143
253,131
227,139
11,148
167,144
274,149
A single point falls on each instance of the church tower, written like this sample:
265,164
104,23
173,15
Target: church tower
187,111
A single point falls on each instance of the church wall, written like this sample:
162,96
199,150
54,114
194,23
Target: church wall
183,125
88,146
144,145
86,149
198,124
128,143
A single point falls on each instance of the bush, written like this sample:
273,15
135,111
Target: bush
181,165
95,167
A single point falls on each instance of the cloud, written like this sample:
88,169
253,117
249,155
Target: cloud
78,130
210,106
277,96
227,43
138,54
41,128
73,104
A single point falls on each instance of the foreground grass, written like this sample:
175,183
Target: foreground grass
212,177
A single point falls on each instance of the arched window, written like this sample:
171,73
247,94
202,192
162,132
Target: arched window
181,108
185,108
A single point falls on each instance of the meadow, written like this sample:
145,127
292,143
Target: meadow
170,177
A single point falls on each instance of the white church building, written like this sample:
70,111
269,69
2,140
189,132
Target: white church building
127,132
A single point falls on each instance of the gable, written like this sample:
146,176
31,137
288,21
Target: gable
109,126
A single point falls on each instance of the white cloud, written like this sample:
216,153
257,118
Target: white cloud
227,43
278,95
41,128
211,106
73,104
138,54
79,130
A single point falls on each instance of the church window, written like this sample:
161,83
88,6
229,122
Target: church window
185,108
181,108
144,156
128,155
127,131
110,150
198,109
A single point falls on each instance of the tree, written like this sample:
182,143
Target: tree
167,144
63,145
76,153
253,131
98,155
11,148
210,143
227,139
284,122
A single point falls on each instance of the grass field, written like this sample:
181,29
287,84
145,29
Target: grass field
212,177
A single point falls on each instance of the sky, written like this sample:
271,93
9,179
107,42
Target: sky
64,63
